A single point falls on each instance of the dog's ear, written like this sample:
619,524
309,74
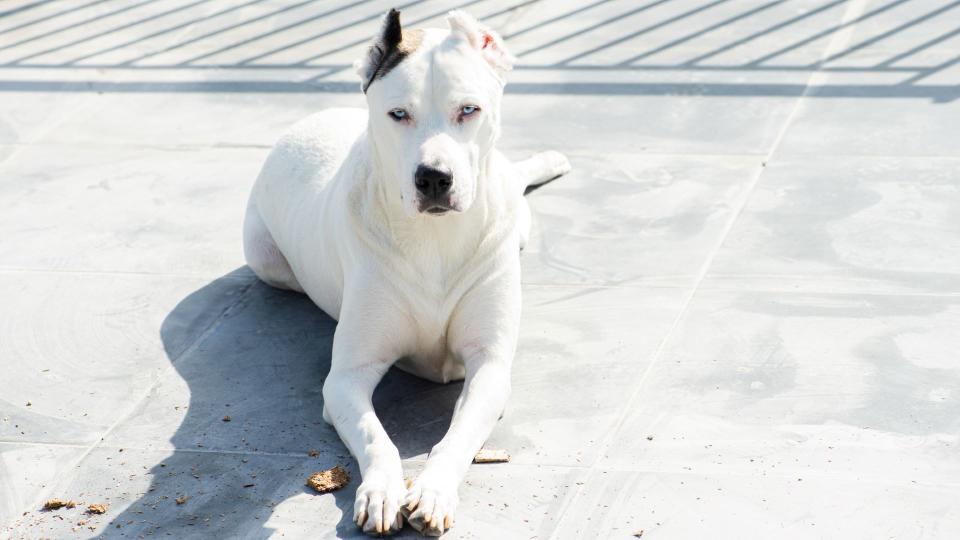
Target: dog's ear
384,52
483,39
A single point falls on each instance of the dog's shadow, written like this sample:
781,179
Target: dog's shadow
253,360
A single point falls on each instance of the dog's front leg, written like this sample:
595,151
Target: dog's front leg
362,353
432,498
485,335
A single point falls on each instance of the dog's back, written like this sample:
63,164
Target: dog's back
309,154
298,172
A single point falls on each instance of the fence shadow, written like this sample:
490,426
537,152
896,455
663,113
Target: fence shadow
892,49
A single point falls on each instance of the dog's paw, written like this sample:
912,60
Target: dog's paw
430,503
377,506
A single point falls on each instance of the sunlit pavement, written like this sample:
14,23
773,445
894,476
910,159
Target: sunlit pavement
741,308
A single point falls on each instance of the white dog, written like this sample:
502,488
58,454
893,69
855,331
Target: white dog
405,225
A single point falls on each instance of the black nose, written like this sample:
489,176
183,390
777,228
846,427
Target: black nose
432,183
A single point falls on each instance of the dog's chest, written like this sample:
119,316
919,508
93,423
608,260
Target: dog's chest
432,307
438,365
433,275
430,355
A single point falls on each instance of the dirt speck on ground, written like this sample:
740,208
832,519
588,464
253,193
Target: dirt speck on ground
97,508
55,504
329,480
181,499
313,453
487,455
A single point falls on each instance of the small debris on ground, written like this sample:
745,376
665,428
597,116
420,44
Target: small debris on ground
313,453
486,455
329,480
181,499
227,419
639,533
248,485
54,504
649,437
97,508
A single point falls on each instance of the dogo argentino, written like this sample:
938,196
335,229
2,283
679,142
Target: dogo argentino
405,224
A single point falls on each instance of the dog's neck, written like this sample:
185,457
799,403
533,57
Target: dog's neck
437,245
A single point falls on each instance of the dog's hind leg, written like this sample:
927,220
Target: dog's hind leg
534,171
262,254
541,168
524,221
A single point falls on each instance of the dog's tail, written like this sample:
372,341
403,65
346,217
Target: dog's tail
541,168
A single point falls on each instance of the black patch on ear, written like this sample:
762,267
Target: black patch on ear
392,33
386,53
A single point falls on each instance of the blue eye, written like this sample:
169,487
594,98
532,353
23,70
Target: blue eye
467,110
398,114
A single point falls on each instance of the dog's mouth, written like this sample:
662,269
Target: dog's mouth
437,210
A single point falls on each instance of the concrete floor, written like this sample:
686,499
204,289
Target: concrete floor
741,307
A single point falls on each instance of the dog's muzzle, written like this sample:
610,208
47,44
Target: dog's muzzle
433,188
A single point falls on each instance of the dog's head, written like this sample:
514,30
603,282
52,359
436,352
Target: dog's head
434,99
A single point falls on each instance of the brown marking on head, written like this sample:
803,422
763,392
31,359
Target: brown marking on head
390,48
411,41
